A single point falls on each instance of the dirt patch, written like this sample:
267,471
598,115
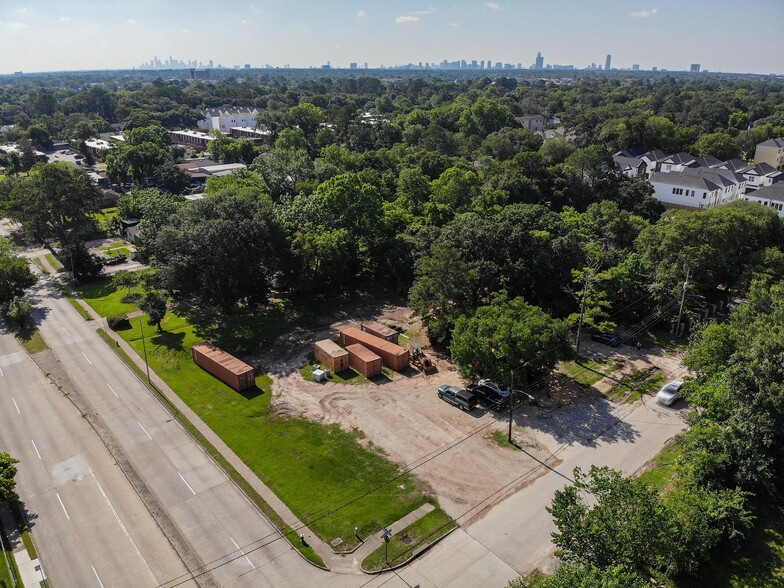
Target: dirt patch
446,448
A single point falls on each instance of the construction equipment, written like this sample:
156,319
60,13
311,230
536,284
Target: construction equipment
420,360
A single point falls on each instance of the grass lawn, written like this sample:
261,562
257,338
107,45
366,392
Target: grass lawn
32,341
107,300
402,545
53,261
37,261
501,439
5,575
348,376
328,479
104,214
587,372
85,315
661,474
632,387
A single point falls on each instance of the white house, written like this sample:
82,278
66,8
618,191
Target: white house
628,164
697,188
678,162
223,119
771,196
757,176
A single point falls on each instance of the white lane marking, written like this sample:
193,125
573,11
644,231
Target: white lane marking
2,375
36,449
143,429
87,358
112,389
242,552
186,483
61,504
66,331
97,577
15,404
124,530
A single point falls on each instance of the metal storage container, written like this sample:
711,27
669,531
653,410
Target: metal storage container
364,360
332,355
379,330
224,366
393,356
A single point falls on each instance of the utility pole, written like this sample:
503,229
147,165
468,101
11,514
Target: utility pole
511,399
586,283
144,345
683,301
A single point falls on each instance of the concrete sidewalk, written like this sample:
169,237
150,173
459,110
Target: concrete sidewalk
30,570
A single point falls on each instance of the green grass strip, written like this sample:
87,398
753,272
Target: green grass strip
32,341
53,261
79,308
404,544
37,261
268,511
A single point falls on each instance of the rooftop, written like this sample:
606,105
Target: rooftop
772,192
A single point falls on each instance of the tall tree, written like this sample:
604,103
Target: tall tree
15,274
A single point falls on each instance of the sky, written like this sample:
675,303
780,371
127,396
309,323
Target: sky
721,35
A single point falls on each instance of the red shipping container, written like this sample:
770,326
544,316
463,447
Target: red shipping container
364,360
224,366
379,330
331,355
393,356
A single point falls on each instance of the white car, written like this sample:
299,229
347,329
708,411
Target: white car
670,393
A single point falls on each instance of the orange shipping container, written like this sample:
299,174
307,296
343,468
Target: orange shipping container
393,356
224,366
331,355
380,330
364,360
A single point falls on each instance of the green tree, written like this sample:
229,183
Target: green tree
170,178
624,524
719,145
509,336
583,576
15,274
7,477
153,303
127,280
39,136
55,201
19,311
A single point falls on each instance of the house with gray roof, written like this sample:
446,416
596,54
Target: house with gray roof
697,188
771,196
757,175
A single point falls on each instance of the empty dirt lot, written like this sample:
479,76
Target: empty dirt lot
450,450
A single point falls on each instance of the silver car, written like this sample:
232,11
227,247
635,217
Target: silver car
670,393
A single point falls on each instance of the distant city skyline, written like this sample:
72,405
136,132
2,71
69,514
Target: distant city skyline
45,35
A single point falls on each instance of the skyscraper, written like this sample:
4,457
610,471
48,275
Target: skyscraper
608,63
695,68
539,61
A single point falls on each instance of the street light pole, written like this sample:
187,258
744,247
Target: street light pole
144,346
511,399
386,535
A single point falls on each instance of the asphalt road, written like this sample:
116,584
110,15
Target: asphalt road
217,520
90,526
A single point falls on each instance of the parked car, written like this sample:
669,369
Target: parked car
456,395
670,393
487,396
611,339
493,386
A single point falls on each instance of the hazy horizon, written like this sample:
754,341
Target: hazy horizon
90,35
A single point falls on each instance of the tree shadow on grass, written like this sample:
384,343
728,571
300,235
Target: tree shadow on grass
169,340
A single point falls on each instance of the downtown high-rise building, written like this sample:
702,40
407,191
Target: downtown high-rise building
608,63
539,61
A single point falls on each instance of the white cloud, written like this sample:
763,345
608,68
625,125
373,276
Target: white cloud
494,6
243,21
652,13
361,13
24,9
131,21
15,27
454,24
65,19
406,19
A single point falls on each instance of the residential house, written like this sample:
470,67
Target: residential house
678,162
628,163
653,159
757,175
532,122
697,188
771,152
223,119
771,196
258,136
95,146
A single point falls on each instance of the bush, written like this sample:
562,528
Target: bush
118,322
19,312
